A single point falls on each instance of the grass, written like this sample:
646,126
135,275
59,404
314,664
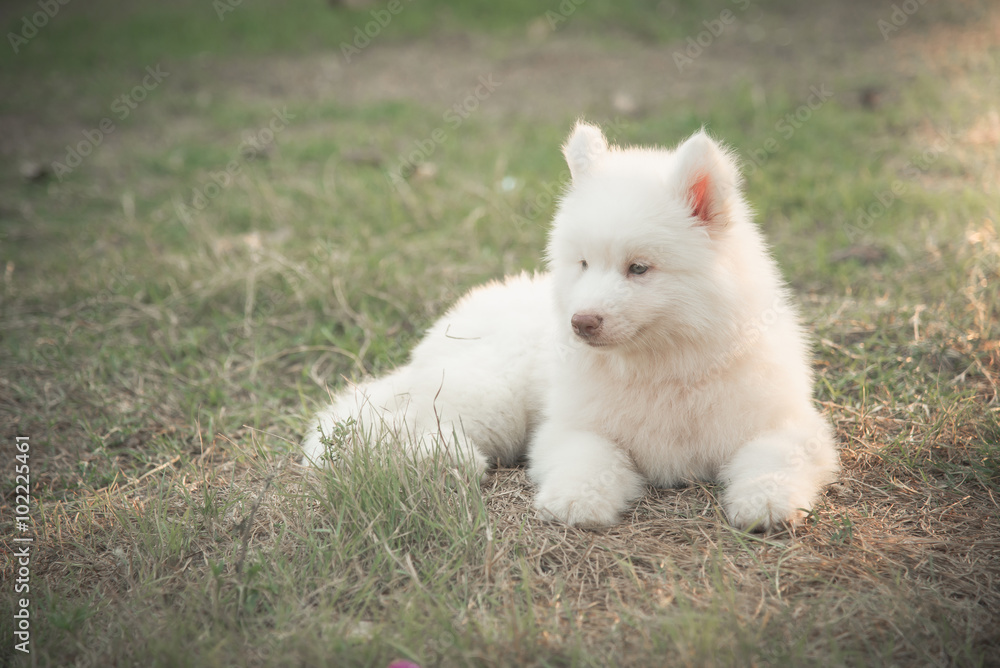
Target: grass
166,328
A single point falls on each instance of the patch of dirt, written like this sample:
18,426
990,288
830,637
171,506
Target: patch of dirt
555,76
548,76
565,73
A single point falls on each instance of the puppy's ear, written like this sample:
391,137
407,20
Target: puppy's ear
707,180
585,146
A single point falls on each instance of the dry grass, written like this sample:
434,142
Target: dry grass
889,564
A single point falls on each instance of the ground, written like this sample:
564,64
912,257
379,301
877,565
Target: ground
233,245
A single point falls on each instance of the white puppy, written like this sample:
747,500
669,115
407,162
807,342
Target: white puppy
661,348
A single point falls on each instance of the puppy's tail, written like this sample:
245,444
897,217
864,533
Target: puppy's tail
358,416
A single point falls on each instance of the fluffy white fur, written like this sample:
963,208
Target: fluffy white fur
660,348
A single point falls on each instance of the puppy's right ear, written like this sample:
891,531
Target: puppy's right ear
708,180
585,146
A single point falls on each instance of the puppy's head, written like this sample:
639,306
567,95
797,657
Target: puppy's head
640,246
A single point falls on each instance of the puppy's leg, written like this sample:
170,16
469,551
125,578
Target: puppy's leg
583,479
774,479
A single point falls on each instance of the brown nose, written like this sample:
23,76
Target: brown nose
586,325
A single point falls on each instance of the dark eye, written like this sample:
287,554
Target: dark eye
583,263
637,269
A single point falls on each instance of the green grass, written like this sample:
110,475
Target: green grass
163,355
106,34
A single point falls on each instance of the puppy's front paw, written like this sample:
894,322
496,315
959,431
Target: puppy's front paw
594,502
580,510
765,503
583,478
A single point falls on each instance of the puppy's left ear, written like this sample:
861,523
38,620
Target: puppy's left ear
585,146
708,181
